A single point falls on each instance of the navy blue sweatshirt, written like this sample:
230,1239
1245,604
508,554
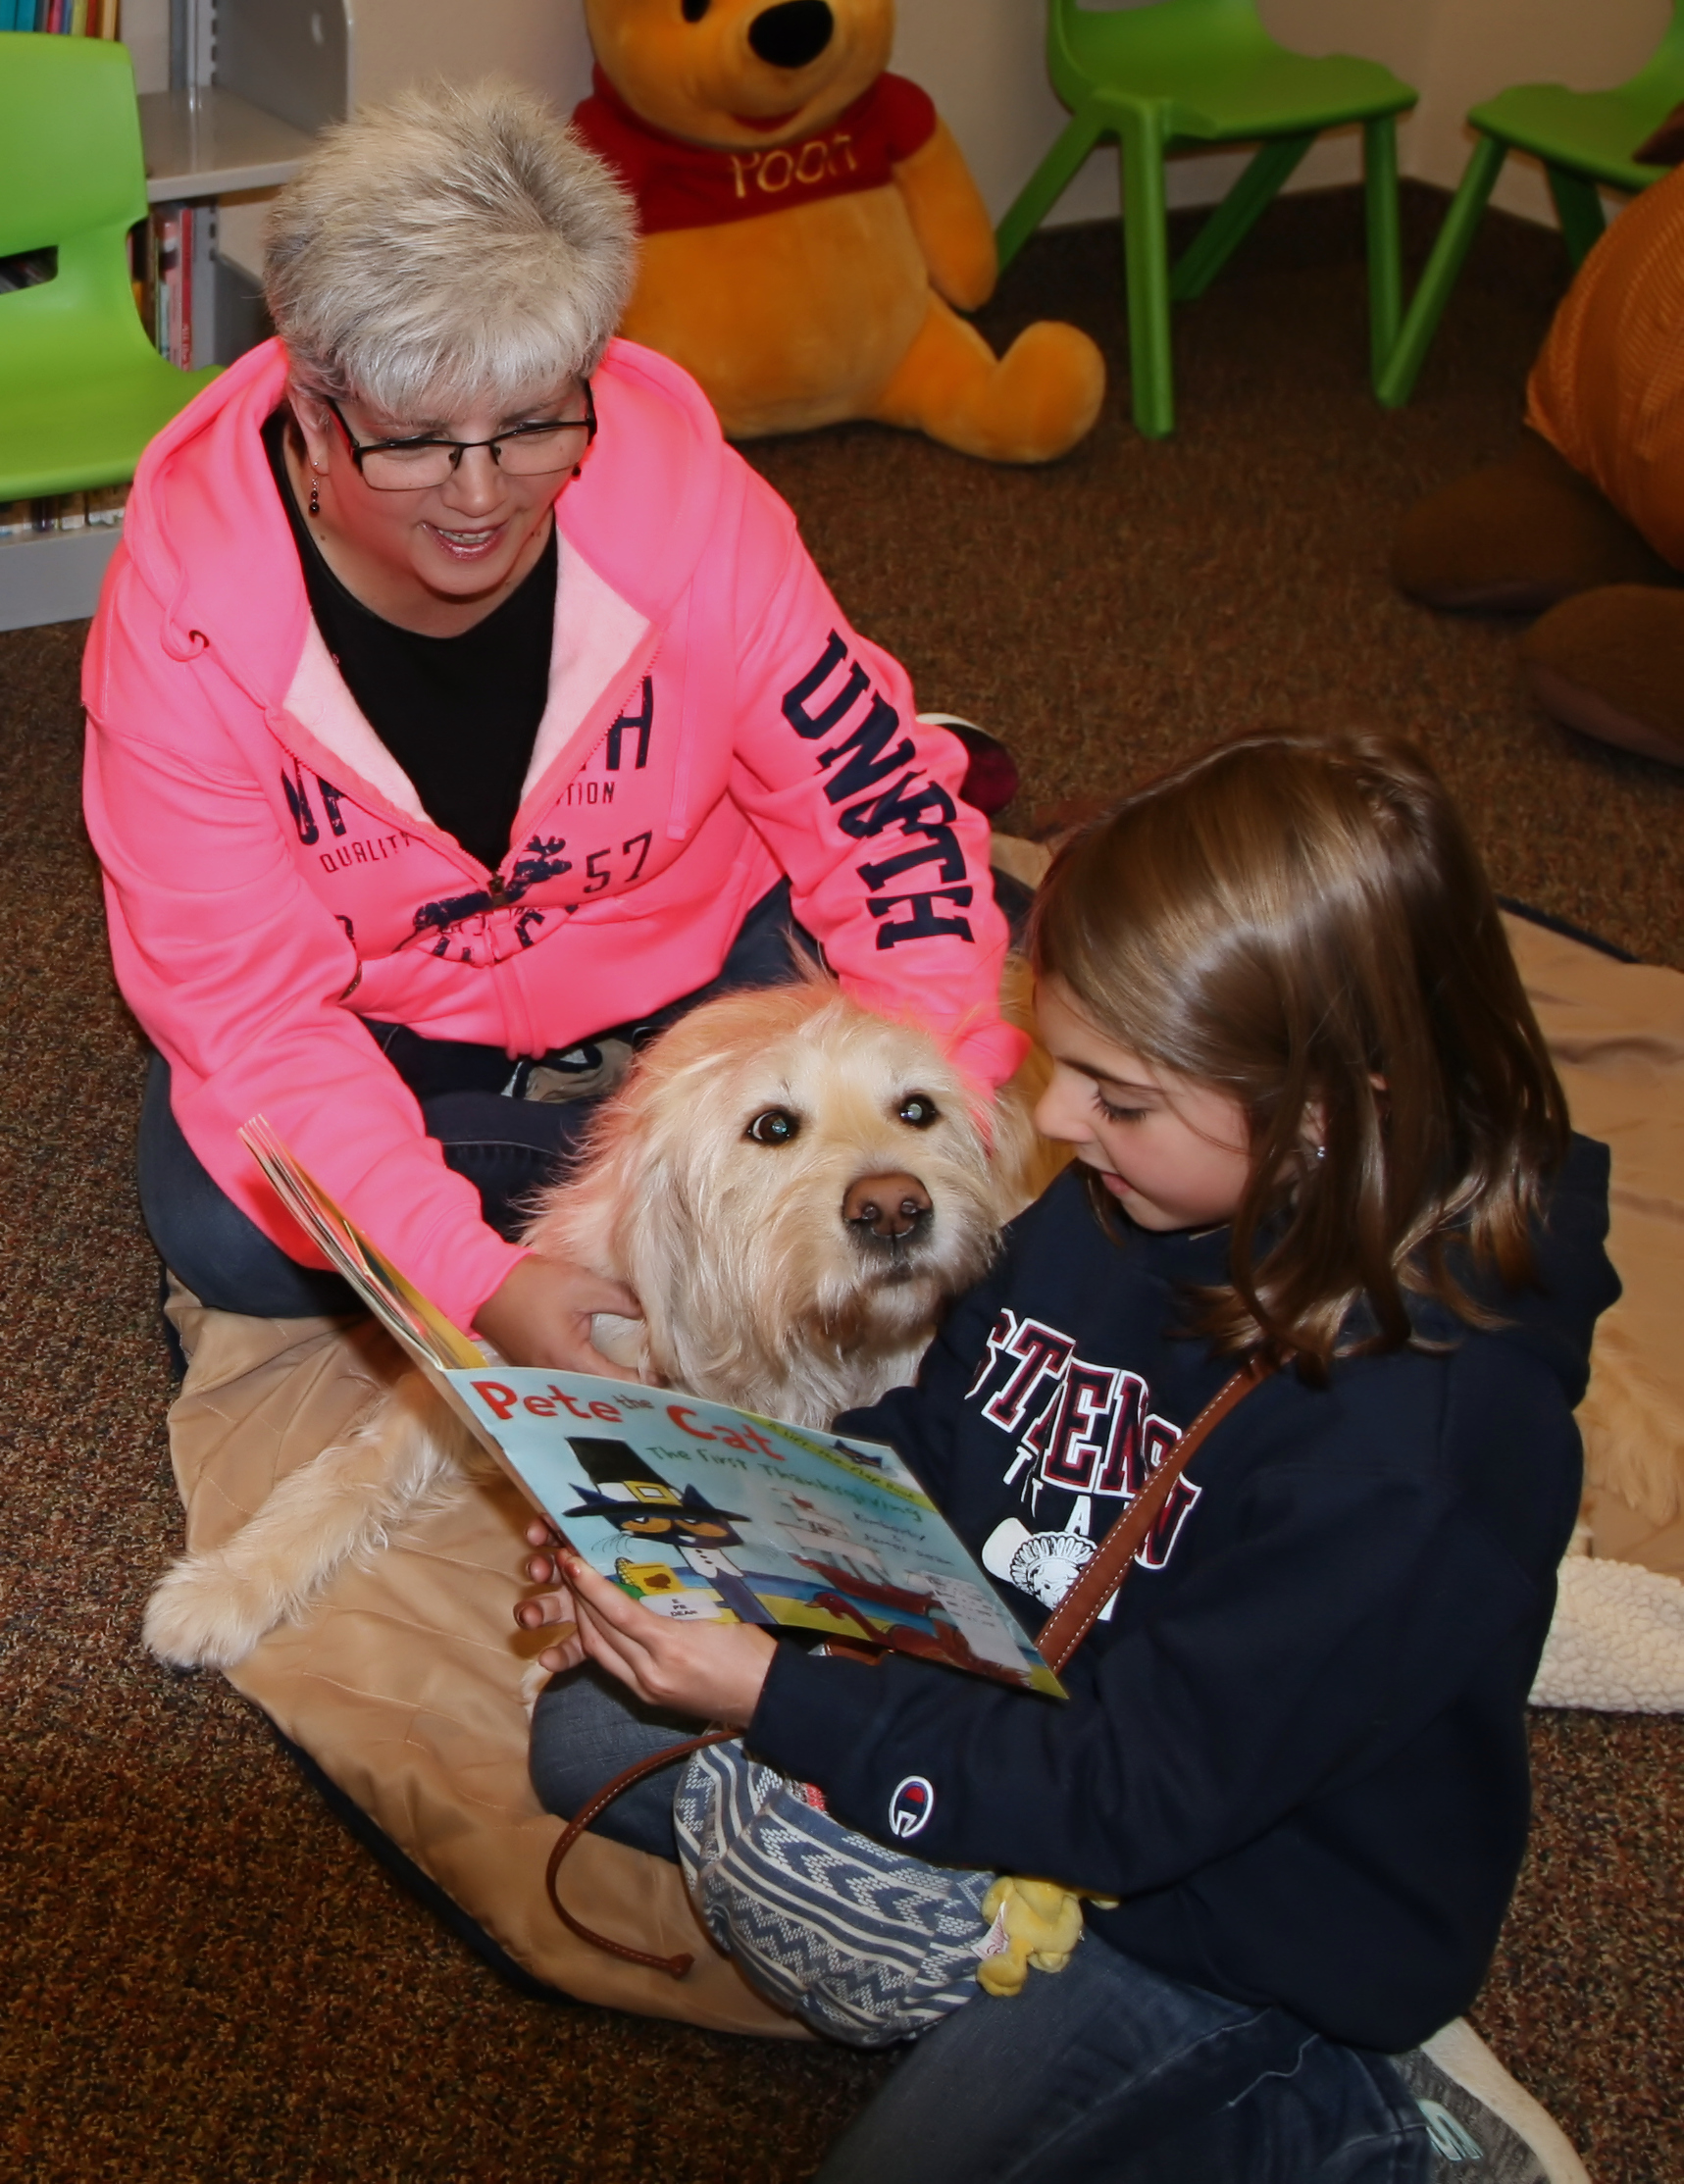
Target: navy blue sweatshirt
1296,1748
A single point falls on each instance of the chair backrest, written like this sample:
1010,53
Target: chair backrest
1664,68
1089,44
72,177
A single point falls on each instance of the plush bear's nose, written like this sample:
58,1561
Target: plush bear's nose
890,1206
793,34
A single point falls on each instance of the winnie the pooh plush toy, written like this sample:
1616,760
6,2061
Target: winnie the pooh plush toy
1584,524
811,230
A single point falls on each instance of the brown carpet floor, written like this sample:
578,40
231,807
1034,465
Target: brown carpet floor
204,1977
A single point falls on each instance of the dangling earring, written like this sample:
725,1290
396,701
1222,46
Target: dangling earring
315,494
576,469
1321,1152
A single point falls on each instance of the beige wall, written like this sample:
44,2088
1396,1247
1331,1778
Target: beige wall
394,41
1477,47
982,60
542,42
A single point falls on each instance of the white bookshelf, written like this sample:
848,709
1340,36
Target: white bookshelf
232,93
249,82
53,576
204,141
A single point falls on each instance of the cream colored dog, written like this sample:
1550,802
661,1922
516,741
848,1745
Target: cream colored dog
792,1188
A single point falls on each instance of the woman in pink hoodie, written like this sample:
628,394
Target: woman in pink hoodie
458,698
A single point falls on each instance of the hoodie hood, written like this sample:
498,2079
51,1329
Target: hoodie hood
1554,1317
206,533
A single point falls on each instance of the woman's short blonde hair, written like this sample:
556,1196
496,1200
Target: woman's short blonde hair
456,245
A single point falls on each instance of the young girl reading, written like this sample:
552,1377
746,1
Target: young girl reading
1314,1123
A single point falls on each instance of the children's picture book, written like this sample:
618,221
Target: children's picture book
710,1514
702,1512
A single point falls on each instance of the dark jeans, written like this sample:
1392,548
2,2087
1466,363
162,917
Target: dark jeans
1110,2073
1104,2073
585,1728
506,1147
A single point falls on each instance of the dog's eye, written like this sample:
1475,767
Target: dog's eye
918,1111
774,1126
694,10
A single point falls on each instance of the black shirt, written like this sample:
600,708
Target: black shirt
459,714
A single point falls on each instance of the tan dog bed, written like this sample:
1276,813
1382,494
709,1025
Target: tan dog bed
405,1686
1616,1034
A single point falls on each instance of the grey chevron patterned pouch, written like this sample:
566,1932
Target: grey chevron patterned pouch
865,1944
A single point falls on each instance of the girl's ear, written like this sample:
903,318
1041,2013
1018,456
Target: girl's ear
1312,1129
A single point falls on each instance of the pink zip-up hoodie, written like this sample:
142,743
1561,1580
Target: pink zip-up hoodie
712,721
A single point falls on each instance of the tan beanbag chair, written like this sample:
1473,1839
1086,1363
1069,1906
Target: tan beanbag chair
405,1686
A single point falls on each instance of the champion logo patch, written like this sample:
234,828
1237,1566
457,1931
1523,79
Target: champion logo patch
912,1804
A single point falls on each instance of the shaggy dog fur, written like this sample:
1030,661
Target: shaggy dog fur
732,1184
791,1187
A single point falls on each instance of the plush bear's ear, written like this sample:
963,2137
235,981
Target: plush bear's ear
1666,148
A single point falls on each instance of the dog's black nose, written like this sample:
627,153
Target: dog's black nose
890,1206
793,34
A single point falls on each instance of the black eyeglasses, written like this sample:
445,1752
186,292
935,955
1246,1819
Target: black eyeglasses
400,466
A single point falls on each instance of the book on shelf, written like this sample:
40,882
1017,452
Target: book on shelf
74,18
703,1512
100,508
170,266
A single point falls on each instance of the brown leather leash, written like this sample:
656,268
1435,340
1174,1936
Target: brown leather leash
1082,1606
1060,1635
674,1966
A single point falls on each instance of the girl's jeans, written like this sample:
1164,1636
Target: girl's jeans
1110,2073
1106,2072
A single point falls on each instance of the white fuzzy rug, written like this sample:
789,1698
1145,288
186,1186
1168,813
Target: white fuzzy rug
1617,1640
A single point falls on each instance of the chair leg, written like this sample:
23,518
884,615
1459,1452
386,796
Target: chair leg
1579,209
1145,254
1044,188
1235,218
1439,274
1385,254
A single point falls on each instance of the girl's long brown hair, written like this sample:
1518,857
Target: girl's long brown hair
1304,923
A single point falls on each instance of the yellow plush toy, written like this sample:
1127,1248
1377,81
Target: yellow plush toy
1036,1924
811,230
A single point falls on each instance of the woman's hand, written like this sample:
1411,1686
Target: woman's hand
712,1670
540,1313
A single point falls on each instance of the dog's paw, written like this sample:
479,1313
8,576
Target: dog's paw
200,1616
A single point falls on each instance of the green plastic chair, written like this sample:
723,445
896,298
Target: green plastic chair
82,389
1205,72
1585,138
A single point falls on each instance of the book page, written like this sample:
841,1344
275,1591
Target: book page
418,1324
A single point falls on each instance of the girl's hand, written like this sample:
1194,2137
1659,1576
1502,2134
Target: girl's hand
712,1670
